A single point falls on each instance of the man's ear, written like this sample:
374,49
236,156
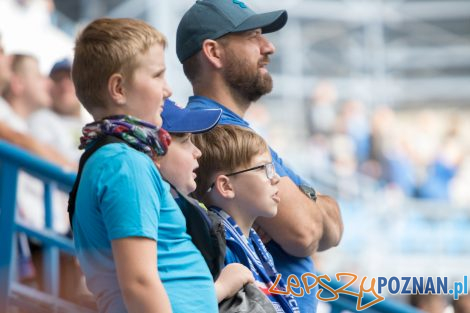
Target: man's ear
116,89
224,187
212,50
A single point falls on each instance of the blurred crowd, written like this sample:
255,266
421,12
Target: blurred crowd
41,114
418,153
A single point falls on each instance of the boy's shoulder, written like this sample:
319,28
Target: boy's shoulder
117,153
120,158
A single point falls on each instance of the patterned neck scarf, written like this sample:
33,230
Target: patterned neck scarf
259,260
140,135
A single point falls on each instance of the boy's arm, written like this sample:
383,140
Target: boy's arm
231,279
301,225
136,267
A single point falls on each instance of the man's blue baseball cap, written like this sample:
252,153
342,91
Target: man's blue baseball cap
179,120
212,19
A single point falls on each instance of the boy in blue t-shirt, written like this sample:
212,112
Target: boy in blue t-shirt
130,235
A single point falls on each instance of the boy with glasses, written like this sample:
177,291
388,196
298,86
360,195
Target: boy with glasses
237,180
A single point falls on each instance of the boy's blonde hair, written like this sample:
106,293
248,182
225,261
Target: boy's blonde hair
225,149
107,46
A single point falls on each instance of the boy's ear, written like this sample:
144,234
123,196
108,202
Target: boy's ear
212,50
224,187
116,88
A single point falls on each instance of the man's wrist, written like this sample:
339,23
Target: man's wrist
309,192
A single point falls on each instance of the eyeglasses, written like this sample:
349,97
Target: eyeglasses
269,170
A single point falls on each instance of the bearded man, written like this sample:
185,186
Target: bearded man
225,54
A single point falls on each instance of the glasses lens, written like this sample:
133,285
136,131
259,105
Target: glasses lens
270,171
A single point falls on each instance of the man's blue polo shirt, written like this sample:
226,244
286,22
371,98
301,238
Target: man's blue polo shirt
285,263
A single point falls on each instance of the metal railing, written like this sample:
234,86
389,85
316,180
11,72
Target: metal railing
12,293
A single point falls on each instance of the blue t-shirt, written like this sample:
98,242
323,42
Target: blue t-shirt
285,263
121,195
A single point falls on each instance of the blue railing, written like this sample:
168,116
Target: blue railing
12,160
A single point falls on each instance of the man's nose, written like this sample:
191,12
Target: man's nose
267,47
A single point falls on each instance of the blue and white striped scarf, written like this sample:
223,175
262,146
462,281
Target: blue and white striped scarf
259,262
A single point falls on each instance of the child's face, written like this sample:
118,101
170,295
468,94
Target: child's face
255,193
179,163
147,90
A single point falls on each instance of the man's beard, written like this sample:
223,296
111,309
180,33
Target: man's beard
246,82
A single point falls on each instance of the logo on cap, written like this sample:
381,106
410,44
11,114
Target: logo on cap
240,4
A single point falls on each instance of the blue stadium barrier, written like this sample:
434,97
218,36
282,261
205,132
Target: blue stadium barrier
13,159
12,293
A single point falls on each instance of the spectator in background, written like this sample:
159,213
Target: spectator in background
429,303
61,124
13,133
21,82
382,132
462,305
458,187
322,111
28,89
442,170
353,122
11,71
5,70
321,118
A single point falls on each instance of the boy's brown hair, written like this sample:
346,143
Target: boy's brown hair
225,149
107,46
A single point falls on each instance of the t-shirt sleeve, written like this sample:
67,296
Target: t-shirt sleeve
283,170
128,197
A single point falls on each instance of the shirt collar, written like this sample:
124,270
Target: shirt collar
228,116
